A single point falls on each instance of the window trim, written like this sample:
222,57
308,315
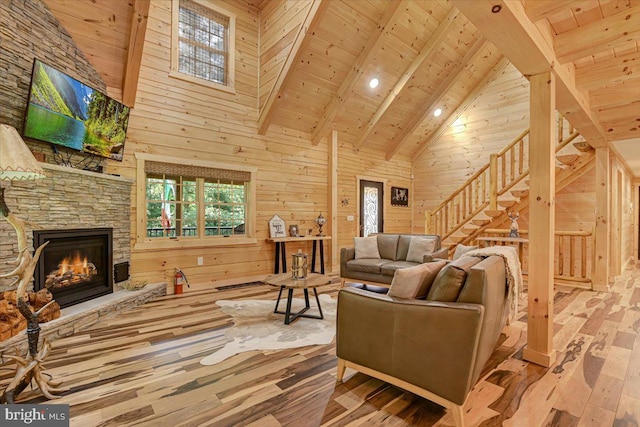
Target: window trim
143,242
175,46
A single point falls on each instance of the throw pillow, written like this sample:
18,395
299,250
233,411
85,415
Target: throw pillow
449,281
418,247
366,247
461,250
414,282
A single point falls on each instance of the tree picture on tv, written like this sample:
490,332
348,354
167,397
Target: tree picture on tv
63,111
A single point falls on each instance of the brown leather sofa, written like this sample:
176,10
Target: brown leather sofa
393,249
434,349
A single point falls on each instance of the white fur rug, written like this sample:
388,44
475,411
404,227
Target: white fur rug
257,327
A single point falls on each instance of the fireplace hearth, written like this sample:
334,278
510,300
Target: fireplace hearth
76,265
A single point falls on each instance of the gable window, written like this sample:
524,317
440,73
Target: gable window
203,43
194,203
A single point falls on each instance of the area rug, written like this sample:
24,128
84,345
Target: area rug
257,327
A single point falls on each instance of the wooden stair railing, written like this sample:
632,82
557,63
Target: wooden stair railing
505,169
564,177
573,261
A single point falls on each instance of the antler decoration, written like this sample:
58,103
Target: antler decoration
29,368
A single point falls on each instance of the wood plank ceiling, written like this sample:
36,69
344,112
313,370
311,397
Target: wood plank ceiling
426,55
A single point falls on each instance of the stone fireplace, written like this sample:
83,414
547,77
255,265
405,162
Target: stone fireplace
76,265
69,199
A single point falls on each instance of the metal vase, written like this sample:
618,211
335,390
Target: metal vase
299,266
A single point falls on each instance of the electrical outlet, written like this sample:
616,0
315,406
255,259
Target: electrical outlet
200,260
349,217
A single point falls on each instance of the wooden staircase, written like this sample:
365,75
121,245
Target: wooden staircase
502,186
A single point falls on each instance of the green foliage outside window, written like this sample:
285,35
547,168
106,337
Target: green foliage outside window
172,206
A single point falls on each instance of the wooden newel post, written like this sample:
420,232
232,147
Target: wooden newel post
428,223
493,182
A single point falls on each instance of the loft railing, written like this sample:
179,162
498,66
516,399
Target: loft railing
481,191
573,262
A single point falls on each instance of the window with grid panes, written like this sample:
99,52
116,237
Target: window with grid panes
204,41
191,201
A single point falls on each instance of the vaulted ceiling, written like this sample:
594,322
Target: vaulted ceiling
426,55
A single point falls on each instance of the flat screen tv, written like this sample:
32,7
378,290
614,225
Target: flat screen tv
63,111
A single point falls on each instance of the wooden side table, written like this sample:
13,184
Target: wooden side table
285,281
281,252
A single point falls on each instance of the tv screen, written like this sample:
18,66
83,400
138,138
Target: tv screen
63,111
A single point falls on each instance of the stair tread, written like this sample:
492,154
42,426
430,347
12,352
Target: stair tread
480,222
507,203
520,193
493,213
469,229
583,146
567,159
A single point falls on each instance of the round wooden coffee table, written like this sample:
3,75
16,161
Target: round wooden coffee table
284,281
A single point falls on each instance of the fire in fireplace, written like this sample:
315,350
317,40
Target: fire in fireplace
72,270
76,265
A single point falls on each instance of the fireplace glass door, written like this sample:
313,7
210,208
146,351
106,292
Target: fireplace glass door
76,265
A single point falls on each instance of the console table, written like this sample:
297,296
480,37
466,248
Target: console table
281,252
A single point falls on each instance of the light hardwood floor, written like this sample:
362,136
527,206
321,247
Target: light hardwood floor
142,368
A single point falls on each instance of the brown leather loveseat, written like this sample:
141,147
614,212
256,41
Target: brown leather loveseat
433,348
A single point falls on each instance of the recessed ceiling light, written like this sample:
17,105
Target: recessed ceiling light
373,83
437,112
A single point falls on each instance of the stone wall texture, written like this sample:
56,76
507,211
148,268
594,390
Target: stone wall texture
29,30
69,198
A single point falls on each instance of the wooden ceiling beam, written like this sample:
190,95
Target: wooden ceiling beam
540,9
600,36
453,76
303,39
138,30
610,72
506,25
464,105
373,45
438,37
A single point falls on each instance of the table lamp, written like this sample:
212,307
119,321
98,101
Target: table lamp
18,164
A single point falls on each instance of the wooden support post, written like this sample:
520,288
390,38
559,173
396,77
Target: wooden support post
333,197
539,347
493,182
603,219
428,223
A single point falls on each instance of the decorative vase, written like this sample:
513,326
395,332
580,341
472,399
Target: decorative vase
320,221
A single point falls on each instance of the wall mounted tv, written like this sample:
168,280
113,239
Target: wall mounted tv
65,112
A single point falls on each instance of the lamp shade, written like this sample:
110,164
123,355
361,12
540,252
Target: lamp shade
16,161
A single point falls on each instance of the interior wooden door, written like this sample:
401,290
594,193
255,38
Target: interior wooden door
371,207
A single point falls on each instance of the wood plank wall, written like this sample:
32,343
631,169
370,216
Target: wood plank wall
626,215
280,21
176,118
183,120
105,29
497,116
371,164
575,204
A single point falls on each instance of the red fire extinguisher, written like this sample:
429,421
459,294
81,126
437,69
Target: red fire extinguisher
179,279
